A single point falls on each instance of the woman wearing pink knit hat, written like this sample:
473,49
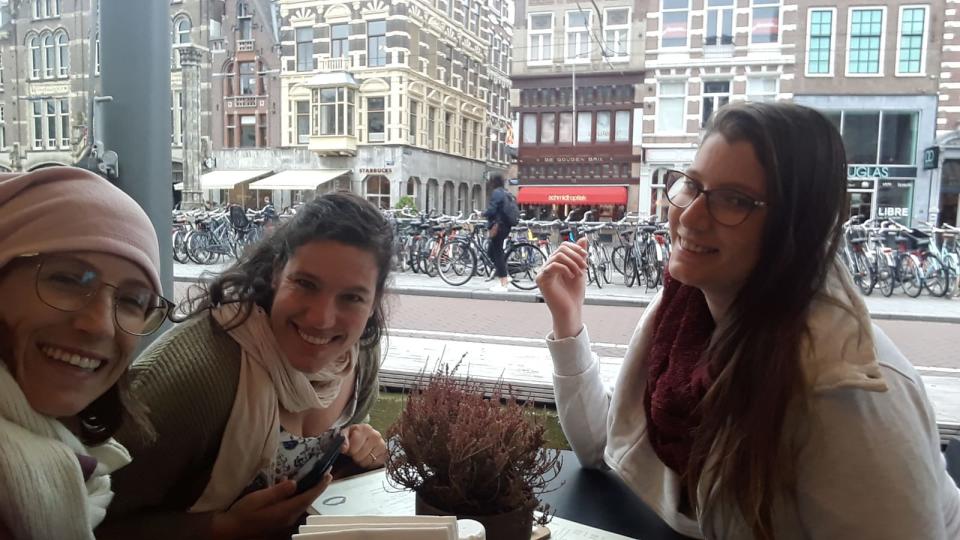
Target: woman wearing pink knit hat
80,285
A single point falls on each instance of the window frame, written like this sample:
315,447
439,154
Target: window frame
923,41
762,44
531,34
767,77
383,46
35,58
63,122
301,138
883,40
657,130
343,43
618,28
831,63
62,60
675,48
413,121
382,111
298,62
49,55
714,96
585,30
720,10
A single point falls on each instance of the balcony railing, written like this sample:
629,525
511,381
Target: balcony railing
244,102
245,45
326,65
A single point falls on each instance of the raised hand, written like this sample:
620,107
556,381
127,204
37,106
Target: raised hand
563,283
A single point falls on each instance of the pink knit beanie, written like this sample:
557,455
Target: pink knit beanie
57,209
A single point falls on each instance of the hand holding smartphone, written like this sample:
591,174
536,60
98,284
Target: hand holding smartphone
322,465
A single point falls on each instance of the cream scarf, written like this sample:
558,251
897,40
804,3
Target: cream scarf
267,382
42,491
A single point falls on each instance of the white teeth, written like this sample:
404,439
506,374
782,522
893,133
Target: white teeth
314,340
690,246
82,362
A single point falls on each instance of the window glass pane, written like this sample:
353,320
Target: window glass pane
617,16
674,32
304,49
766,24
676,4
375,119
566,127
622,126
899,140
540,22
547,127
584,126
911,40
865,32
529,128
860,134
603,126
821,29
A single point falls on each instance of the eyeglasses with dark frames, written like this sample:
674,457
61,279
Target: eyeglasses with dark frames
727,206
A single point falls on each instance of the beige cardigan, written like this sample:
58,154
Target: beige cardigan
870,467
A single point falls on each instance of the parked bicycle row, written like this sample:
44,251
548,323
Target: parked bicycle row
629,251
889,256
208,237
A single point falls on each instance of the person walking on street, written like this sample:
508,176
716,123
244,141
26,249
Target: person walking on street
499,229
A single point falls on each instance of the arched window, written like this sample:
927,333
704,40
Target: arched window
180,36
35,59
182,29
49,56
63,54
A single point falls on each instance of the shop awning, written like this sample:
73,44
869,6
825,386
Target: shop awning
582,195
299,180
225,179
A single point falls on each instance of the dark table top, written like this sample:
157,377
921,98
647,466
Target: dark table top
600,499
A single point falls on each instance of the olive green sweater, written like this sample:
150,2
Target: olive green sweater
188,380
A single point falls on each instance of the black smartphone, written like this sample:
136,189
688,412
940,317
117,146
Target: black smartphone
315,475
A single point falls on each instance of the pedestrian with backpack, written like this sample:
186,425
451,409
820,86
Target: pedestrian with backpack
502,214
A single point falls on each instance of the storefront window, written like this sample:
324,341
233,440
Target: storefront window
622,126
566,127
529,128
584,127
898,140
893,200
603,126
861,131
547,127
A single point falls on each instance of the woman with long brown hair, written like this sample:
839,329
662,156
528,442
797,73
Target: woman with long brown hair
756,400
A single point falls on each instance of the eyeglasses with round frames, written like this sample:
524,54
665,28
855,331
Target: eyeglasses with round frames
727,206
68,284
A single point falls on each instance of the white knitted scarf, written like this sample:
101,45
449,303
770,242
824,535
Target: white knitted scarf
267,382
42,491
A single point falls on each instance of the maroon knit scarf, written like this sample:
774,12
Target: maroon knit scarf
677,379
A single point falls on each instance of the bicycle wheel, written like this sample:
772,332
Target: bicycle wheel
911,280
524,262
651,266
935,275
198,247
428,257
631,274
862,275
617,259
180,246
456,263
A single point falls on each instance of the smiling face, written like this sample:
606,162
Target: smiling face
63,361
716,258
323,298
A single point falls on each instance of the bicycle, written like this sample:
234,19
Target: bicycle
463,256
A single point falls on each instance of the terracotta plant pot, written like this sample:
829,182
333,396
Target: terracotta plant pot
515,525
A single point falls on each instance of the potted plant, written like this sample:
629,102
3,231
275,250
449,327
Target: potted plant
474,457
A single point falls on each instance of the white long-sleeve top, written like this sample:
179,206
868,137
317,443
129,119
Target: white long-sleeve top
869,464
